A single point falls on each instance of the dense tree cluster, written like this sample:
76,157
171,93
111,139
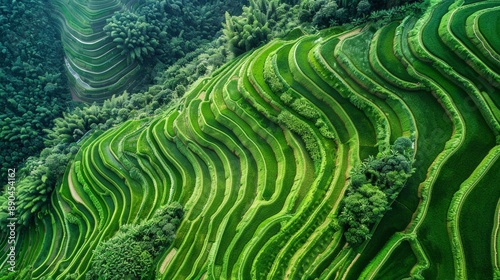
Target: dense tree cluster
40,176
73,125
325,13
251,29
202,62
131,253
133,35
167,30
32,89
260,21
374,185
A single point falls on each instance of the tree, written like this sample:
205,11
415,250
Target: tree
326,14
402,145
361,209
137,38
374,184
363,7
130,253
247,31
33,90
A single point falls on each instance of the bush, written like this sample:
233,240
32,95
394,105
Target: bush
374,185
247,31
137,38
260,22
131,252
272,79
298,126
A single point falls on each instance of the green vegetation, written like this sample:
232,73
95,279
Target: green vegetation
165,30
32,86
113,46
374,185
251,29
130,253
297,150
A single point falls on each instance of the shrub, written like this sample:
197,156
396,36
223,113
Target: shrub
272,79
374,185
130,254
305,108
137,38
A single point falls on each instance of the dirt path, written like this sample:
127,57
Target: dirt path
167,260
202,95
72,188
348,34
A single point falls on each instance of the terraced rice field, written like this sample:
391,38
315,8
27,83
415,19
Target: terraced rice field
260,155
95,68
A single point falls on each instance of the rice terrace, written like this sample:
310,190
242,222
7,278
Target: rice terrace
363,150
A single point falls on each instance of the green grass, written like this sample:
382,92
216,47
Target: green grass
434,226
489,26
360,68
364,123
434,44
386,55
476,223
399,264
459,25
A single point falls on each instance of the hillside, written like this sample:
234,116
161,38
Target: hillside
114,45
260,156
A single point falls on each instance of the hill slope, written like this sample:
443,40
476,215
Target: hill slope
260,154
96,69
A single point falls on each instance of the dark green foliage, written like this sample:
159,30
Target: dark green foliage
320,13
167,30
75,124
374,185
133,35
35,183
402,145
260,22
363,7
185,71
131,252
32,89
362,208
251,29
326,13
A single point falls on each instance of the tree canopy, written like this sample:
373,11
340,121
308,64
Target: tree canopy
167,30
33,90
131,252
373,186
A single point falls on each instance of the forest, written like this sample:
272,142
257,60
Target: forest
254,139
